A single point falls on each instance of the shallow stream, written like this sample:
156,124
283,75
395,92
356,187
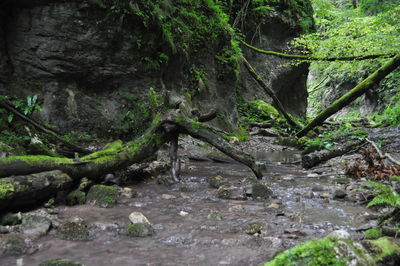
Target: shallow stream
195,227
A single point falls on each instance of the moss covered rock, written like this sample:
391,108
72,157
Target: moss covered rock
76,197
103,196
217,181
140,230
10,219
260,191
262,110
332,251
35,225
14,245
60,262
73,231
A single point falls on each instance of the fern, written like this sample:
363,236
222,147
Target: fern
384,195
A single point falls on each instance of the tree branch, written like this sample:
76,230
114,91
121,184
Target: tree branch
312,58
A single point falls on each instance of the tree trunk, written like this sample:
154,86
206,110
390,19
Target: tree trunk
353,94
275,99
315,158
27,190
116,157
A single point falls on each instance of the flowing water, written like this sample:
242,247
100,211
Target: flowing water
213,232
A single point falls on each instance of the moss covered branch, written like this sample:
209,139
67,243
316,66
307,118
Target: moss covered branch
313,58
353,94
118,156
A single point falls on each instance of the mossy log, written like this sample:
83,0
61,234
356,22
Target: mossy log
313,58
315,158
118,156
353,94
27,190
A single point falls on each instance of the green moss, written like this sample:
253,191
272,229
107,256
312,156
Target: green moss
109,149
73,231
139,230
60,262
254,228
35,159
312,253
103,196
260,191
395,178
385,248
75,197
6,190
373,233
15,245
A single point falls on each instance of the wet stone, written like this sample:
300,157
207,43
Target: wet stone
233,193
14,245
35,225
260,191
73,231
60,262
4,229
339,194
340,234
217,181
75,197
138,217
139,230
128,193
167,196
103,196
10,219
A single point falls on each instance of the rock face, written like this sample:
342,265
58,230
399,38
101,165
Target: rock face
97,76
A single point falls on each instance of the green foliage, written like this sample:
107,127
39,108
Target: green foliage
312,253
384,195
346,30
373,233
391,115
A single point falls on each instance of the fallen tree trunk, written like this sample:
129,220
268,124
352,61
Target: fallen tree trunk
118,156
353,94
27,190
315,158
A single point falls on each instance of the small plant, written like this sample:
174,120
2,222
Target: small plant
373,233
384,195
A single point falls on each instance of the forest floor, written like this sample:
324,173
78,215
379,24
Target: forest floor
195,226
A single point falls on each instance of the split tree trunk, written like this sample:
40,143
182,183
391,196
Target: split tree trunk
18,170
353,94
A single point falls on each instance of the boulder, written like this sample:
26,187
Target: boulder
35,225
73,231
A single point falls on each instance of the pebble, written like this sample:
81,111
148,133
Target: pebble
273,206
340,234
339,194
183,213
167,196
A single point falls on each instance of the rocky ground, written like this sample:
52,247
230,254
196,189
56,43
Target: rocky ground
219,214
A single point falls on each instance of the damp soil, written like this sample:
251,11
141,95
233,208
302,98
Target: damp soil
195,227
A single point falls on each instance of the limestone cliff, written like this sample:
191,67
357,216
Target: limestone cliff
93,62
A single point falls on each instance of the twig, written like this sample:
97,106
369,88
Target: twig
383,155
